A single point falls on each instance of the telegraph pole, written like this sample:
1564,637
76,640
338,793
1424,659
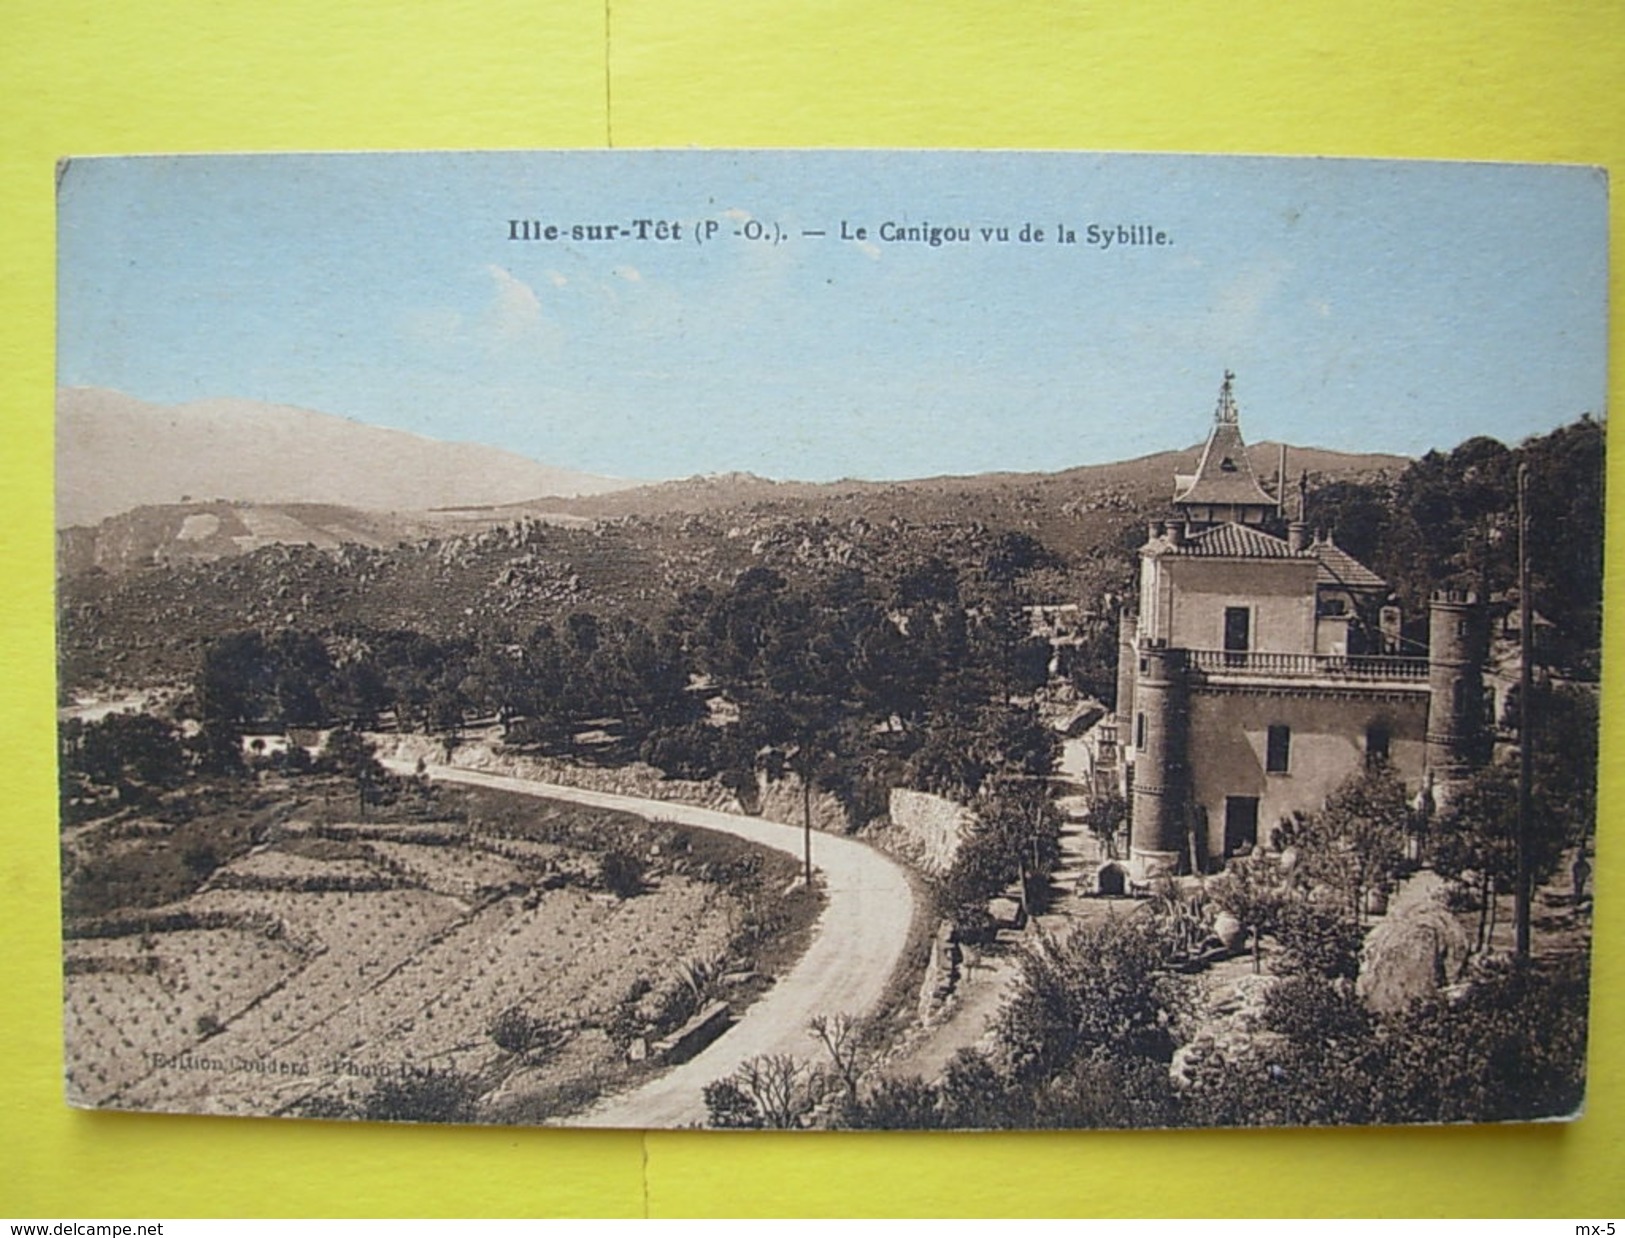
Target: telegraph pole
1526,740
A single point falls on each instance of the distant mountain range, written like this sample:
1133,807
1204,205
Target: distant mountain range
142,485
116,453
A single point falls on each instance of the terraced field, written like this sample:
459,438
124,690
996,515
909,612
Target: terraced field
329,966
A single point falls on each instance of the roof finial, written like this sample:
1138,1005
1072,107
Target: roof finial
1225,413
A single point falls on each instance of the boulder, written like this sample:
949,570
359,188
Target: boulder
1231,932
1005,912
1418,950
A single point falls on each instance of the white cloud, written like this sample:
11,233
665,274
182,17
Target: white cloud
515,311
630,274
556,279
1241,302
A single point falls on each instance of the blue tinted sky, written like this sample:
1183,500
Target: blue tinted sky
1364,306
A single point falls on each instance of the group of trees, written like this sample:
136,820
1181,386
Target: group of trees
353,676
845,679
132,760
1450,520
1014,843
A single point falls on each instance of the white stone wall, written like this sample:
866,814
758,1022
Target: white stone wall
928,828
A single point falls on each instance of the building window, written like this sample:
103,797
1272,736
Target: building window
1278,758
1139,731
1238,621
1376,743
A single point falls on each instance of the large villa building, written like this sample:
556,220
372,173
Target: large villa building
1264,666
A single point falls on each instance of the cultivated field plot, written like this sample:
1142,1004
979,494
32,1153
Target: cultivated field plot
336,969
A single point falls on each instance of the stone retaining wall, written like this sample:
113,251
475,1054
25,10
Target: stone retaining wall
774,801
928,828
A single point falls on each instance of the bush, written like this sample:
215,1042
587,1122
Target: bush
909,1104
438,1097
1512,1050
516,1032
1103,987
1318,941
1311,1011
728,1108
977,1096
623,872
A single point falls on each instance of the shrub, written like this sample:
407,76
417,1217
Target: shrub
438,1097
1318,941
516,1032
908,1104
623,872
1512,1050
1311,1011
1105,986
728,1108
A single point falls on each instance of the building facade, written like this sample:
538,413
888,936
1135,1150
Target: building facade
1262,667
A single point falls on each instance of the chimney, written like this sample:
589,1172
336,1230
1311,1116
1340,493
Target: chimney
1297,536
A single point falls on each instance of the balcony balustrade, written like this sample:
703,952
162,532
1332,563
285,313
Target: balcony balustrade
1363,668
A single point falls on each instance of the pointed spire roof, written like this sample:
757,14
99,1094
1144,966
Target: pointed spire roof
1225,474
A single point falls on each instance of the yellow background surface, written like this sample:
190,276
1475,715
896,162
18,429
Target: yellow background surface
1526,81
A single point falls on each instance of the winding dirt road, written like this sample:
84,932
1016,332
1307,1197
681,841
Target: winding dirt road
856,944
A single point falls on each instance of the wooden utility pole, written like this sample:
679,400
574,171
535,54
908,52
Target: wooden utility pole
1526,740
806,824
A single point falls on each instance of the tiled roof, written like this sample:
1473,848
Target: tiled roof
1225,474
1237,541
1339,567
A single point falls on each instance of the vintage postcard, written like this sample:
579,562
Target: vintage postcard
829,639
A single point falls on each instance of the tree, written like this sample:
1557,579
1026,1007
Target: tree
236,684
1104,988
1476,837
1357,840
134,755
1015,839
1252,889
773,1090
350,754
1105,820
842,1038
1564,721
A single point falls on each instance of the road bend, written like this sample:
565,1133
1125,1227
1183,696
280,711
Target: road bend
857,942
